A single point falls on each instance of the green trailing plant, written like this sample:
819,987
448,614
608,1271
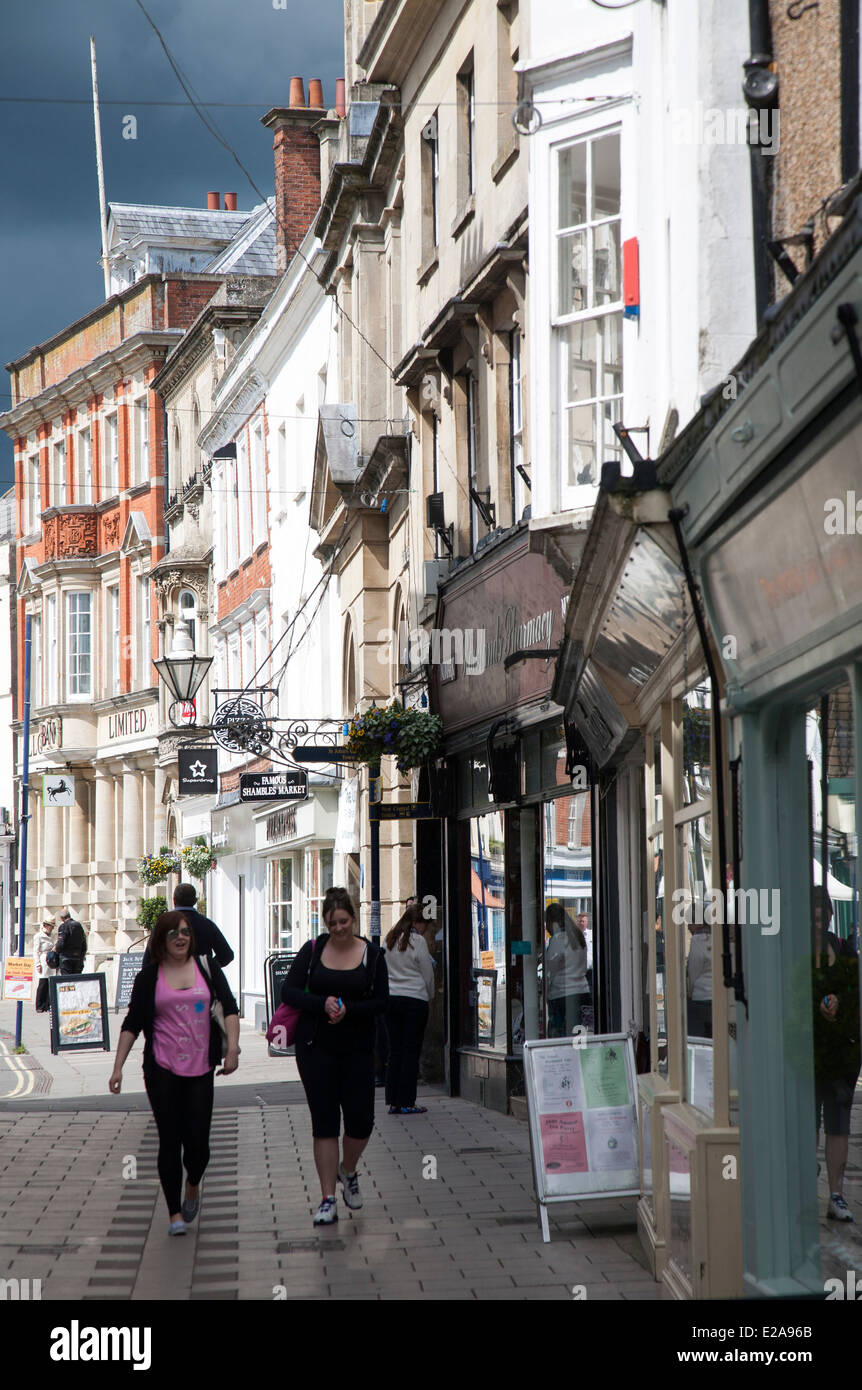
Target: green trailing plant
198,858
412,736
149,910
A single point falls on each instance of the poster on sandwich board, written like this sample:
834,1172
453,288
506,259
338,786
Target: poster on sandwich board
79,1012
582,1105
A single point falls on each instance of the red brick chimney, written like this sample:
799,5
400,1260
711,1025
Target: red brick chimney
297,167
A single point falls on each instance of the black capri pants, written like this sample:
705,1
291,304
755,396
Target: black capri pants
182,1108
338,1083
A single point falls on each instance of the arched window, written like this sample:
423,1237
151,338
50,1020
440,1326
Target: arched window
189,611
176,461
196,429
349,671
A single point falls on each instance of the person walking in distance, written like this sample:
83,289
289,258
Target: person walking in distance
339,985
43,942
171,1002
411,987
837,1056
71,944
208,939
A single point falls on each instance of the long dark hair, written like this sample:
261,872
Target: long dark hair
400,933
159,934
337,900
556,914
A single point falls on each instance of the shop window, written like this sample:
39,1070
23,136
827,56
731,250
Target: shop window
488,930
655,983
567,904
281,905
318,880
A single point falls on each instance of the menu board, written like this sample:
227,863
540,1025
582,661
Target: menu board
581,1097
485,984
128,968
79,1012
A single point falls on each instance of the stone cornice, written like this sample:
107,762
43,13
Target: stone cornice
85,382
230,414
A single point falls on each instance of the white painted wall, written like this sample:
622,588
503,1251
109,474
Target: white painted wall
686,200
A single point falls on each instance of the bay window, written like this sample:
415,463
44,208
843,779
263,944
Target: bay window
587,308
79,636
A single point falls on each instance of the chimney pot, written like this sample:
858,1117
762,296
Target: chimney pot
214,202
315,92
230,202
297,92
340,100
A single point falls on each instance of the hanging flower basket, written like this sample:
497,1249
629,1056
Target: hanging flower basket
410,735
153,869
150,910
198,858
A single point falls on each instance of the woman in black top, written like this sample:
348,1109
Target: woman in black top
339,984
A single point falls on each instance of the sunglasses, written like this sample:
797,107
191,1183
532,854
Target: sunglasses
178,931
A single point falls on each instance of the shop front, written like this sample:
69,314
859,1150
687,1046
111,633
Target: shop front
632,677
768,483
522,956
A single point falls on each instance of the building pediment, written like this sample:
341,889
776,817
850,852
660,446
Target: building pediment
28,580
137,533
337,463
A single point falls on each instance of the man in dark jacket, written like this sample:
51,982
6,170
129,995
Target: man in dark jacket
71,944
208,939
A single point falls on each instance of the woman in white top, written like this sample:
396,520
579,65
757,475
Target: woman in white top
411,986
42,944
566,961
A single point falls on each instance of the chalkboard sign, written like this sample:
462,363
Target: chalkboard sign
79,1012
129,964
276,967
581,1099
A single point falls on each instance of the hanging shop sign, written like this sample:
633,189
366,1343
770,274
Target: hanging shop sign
324,753
513,602
273,786
581,1099
198,770
58,790
79,1012
347,829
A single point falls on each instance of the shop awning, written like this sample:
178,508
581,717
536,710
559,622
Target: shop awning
624,615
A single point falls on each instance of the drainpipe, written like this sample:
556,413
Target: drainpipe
760,88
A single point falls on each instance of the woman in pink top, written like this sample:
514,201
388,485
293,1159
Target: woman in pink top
171,1001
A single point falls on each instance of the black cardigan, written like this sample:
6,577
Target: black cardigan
358,1026
142,1007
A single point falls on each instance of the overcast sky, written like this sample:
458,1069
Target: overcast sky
241,51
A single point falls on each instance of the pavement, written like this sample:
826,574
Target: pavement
448,1214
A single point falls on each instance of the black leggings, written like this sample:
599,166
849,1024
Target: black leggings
338,1083
407,1019
182,1107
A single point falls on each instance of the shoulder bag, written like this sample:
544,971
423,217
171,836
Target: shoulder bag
216,1010
283,1023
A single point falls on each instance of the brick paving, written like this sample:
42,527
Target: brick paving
73,1216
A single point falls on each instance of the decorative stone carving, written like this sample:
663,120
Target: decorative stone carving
50,529
78,535
111,531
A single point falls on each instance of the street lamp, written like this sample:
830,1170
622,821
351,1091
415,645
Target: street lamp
180,669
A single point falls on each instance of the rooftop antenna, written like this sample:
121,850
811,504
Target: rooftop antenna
100,170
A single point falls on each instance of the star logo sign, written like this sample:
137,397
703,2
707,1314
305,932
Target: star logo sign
197,771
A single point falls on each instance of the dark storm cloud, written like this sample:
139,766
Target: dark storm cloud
228,50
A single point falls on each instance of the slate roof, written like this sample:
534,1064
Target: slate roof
137,220
252,250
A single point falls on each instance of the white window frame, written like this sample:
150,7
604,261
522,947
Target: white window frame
36,692
249,665
84,467
111,455
261,647
59,491
113,666
230,516
51,637
520,493
592,314
142,439
85,687
258,486
243,498
145,632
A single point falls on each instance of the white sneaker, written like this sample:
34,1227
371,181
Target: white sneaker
326,1213
838,1209
350,1188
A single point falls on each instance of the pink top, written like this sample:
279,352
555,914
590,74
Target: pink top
181,1030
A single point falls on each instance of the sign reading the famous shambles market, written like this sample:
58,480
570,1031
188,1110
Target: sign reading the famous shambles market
272,786
198,770
581,1098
